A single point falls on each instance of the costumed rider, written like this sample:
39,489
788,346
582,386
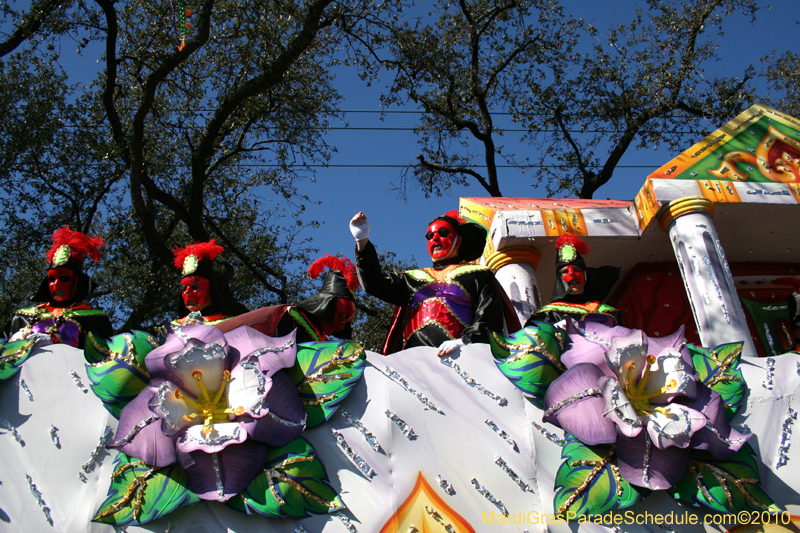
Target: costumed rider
578,291
326,313
63,316
200,301
446,306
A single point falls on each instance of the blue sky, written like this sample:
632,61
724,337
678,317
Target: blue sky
398,225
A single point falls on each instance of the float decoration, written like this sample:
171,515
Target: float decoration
116,367
140,493
640,414
728,485
293,484
13,355
529,358
214,419
589,481
324,373
718,369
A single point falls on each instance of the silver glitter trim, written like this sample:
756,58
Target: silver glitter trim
179,332
215,350
217,476
38,495
286,422
769,339
260,388
593,337
360,463
488,495
648,447
77,379
163,390
728,442
83,477
502,433
135,430
54,437
798,368
786,438
770,370
101,444
397,378
653,423
439,520
346,522
513,475
412,529
713,278
555,439
300,529
273,349
212,441
356,423
30,394
6,424
447,487
407,430
169,527
472,383
572,399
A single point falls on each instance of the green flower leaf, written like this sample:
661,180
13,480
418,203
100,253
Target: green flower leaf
529,358
719,371
132,347
293,484
12,356
140,493
725,485
589,483
324,374
116,383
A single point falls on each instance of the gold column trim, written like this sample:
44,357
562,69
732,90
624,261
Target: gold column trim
684,206
517,254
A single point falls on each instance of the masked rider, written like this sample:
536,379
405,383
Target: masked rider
63,316
578,291
201,303
326,313
447,305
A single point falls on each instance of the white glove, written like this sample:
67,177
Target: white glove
448,346
359,227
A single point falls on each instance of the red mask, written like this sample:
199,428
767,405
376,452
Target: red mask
345,311
443,242
196,292
62,283
575,276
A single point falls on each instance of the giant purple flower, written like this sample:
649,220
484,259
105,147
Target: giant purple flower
642,394
214,403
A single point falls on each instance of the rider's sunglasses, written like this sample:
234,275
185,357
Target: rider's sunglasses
443,233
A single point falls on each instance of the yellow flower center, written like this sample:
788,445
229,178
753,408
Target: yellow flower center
635,391
212,406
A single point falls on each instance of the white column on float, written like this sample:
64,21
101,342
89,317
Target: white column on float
515,270
706,275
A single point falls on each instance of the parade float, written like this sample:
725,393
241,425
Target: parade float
680,421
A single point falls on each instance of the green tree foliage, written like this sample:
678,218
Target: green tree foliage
584,97
169,145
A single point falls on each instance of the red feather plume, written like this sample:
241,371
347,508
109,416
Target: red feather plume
453,213
80,244
579,244
341,264
205,251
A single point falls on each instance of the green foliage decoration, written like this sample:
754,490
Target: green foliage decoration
324,374
529,358
293,484
724,485
719,370
140,493
13,355
588,481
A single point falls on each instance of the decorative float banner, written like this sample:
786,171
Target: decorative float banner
754,158
419,443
